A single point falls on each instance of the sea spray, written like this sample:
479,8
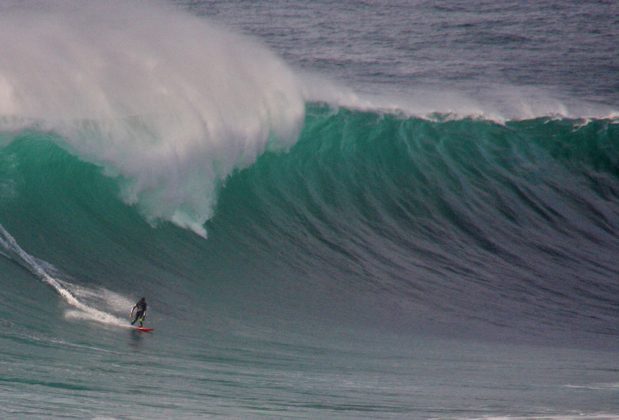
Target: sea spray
170,103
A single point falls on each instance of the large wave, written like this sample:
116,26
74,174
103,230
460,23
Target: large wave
460,214
173,104
465,221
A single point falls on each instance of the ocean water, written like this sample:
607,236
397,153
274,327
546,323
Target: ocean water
400,209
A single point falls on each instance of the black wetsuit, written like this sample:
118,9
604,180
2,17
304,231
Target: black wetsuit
141,311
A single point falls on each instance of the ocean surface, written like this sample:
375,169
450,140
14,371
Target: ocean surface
334,209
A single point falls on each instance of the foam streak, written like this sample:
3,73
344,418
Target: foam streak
11,248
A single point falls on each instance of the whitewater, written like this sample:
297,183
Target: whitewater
126,97
333,209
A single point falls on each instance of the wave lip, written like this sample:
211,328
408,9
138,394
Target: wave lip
172,112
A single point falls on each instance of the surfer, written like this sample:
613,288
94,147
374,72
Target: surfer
140,312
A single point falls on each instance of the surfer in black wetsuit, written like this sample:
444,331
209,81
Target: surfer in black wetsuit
140,312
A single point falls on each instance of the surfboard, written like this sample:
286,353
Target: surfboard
143,329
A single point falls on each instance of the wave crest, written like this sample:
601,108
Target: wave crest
171,103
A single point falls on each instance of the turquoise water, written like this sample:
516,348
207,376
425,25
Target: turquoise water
308,247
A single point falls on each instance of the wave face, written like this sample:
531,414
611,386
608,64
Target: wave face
445,223
513,225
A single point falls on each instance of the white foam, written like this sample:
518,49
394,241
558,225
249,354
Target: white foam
170,102
611,386
10,248
497,103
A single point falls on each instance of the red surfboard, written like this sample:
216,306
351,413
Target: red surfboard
144,329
